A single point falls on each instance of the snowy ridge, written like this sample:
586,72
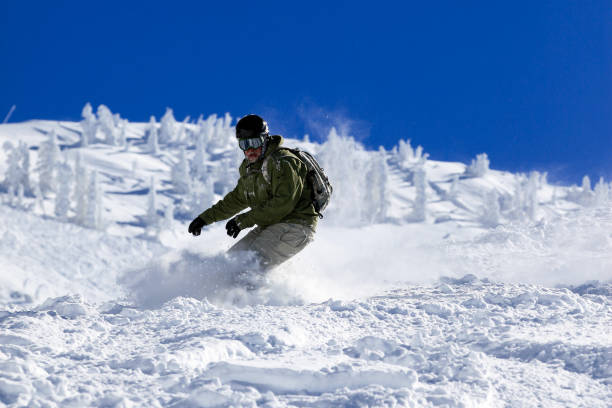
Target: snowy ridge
428,284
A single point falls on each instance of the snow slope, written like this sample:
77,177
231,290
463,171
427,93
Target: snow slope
444,312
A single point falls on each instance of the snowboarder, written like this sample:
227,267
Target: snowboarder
273,185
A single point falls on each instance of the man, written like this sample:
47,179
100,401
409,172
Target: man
273,185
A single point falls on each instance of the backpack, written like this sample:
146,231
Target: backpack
316,178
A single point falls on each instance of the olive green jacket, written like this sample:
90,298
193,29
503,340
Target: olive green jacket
286,198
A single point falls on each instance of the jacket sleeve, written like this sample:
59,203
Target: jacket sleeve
231,204
287,185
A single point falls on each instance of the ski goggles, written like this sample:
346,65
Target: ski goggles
251,143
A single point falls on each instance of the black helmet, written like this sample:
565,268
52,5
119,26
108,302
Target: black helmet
251,126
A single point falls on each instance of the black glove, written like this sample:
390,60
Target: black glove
196,226
232,227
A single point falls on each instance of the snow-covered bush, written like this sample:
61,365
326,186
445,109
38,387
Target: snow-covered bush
89,125
62,198
106,122
48,157
167,127
479,166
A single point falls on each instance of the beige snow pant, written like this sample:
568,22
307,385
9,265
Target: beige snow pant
272,246
275,244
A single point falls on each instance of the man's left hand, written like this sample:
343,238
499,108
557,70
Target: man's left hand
233,228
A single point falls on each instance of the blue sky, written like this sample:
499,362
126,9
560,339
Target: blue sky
528,82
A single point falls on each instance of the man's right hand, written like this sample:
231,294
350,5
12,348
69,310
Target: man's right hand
196,226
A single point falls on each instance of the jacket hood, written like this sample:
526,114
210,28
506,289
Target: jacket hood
274,142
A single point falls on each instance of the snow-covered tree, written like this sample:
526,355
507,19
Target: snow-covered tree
20,195
169,215
525,202
406,156
180,174
491,211
204,129
223,133
479,166
420,201
16,177
198,165
48,156
167,128
106,122
202,197
405,151
93,217
586,184
89,125
62,198
601,193
12,175
122,134
80,191
39,199
151,218
588,196
346,164
181,131
225,175
24,159
533,185
582,195
152,143
376,204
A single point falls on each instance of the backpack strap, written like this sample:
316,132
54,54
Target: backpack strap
264,164
264,169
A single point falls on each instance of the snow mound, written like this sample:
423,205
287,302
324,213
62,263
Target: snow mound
393,348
